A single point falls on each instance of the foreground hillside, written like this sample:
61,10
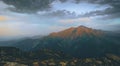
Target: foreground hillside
11,56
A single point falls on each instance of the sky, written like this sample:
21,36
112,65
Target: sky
26,18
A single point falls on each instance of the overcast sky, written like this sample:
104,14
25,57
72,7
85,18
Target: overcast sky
21,18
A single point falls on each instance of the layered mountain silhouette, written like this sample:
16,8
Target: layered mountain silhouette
86,44
76,42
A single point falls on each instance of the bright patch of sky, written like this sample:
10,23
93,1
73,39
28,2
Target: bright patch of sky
80,8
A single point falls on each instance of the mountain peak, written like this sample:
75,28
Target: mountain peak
81,26
74,32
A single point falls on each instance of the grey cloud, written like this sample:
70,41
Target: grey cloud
108,13
61,13
63,0
32,6
112,12
29,5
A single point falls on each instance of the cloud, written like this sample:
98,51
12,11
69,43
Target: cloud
60,14
112,12
75,20
108,13
3,18
43,21
29,5
33,6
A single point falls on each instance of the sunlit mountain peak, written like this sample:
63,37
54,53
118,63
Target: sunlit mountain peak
75,32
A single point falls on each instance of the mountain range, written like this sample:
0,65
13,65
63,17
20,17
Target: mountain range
75,41
75,46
